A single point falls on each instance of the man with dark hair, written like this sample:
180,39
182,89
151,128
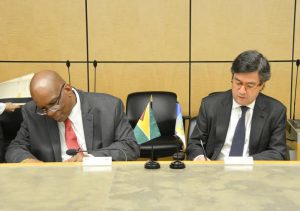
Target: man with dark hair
61,117
241,121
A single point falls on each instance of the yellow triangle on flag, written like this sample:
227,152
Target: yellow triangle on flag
144,124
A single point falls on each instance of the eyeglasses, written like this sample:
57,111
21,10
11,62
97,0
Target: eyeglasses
54,107
248,86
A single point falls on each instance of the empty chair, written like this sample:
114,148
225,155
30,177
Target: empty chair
164,111
10,123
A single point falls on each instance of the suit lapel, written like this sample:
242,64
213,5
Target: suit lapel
87,121
222,122
54,138
257,123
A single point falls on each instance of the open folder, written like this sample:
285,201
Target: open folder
16,90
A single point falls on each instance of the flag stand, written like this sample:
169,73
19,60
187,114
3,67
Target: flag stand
177,164
152,164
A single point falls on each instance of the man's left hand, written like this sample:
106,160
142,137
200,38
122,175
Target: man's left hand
76,158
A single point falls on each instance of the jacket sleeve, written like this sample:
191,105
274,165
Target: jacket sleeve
276,148
124,143
200,132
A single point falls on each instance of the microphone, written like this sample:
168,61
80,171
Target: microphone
296,85
68,64
201,144
73,152
177,164
95,68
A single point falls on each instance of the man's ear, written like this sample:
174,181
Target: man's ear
68,87
69,90
262,86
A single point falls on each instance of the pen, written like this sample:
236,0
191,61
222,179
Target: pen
204,153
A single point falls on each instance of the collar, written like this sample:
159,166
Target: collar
77,108
235,105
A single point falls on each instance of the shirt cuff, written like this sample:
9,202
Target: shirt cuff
2,107
199,156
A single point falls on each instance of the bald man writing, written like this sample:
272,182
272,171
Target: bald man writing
61,118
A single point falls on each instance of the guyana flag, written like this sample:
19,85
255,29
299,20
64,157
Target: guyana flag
146,128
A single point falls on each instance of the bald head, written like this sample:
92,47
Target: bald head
48,90
45,82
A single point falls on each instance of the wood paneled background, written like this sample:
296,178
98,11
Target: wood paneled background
184,46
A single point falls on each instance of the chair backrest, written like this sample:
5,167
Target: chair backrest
10,123
192,124
163,106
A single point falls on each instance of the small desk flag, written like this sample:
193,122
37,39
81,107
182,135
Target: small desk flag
146,128
179,130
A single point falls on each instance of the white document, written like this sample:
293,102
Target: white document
97,161
238,160
16,88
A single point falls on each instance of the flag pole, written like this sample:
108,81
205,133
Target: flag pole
152,164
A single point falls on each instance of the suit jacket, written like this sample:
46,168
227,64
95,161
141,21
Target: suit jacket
105,127
267,137
2,145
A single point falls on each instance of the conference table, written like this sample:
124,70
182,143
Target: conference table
265,185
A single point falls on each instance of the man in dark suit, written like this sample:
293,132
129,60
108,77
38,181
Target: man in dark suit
264,118
97,123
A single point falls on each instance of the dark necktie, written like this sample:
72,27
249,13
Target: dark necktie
238,140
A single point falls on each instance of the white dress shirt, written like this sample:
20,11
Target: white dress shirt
2,107
77,125
236,113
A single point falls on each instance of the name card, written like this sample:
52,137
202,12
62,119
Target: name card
238,160
97,161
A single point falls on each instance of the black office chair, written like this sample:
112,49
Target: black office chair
164,110
10,123
192,124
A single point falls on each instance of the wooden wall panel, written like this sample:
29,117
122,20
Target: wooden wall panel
297,56
122,79
223,29
78,72
139,30
297,38
207,78
142,30
42,30
279,85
